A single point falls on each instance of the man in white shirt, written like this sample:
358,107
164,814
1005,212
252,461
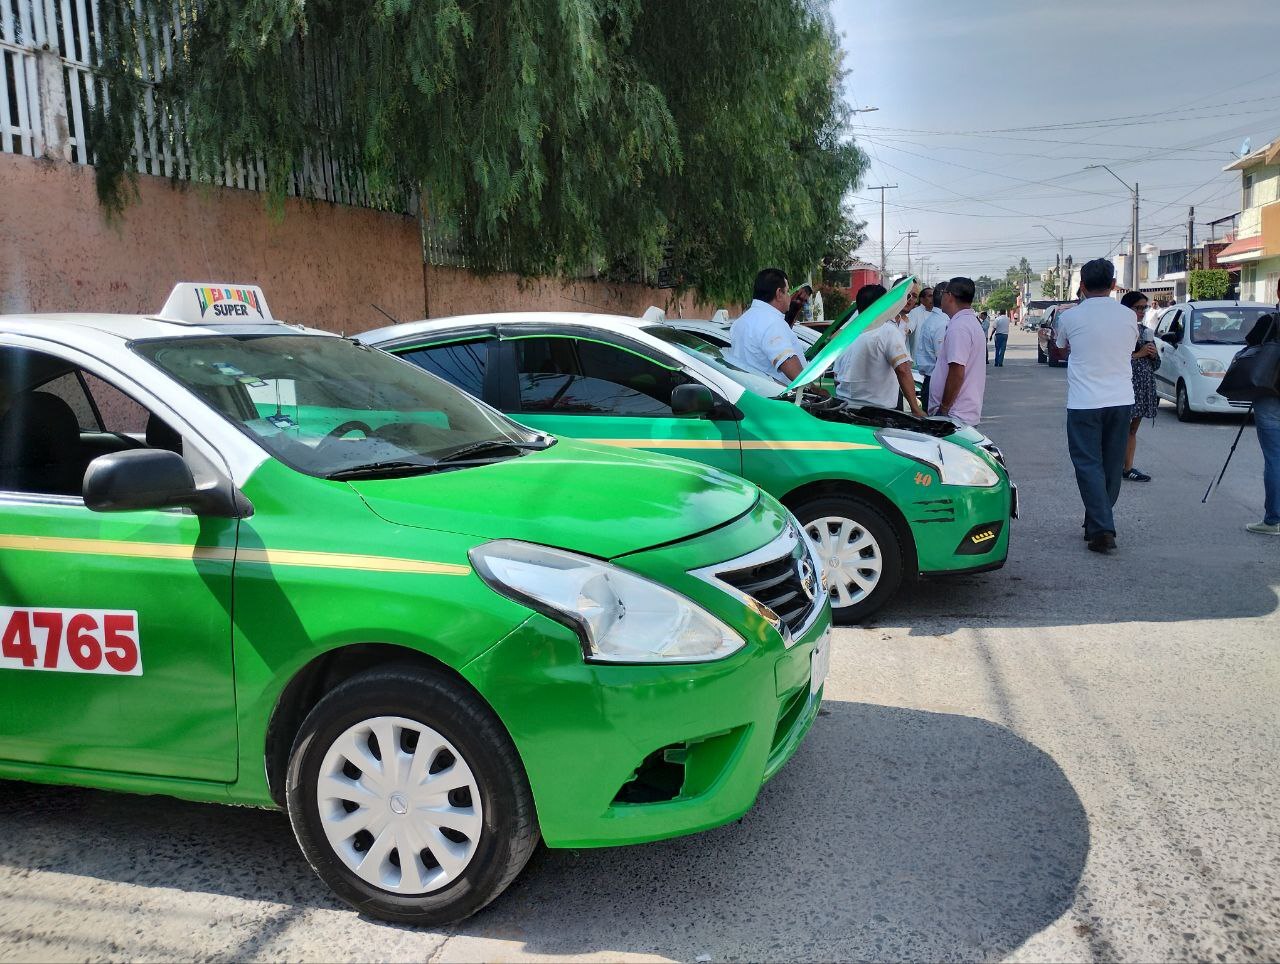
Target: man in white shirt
1000,335
760,340
1101,333
877,365
916,317
929,334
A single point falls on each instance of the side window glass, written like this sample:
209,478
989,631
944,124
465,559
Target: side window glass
572,376
71,389
461,364
120,413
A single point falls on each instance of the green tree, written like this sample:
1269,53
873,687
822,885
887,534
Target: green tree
1209,285
1016,274
555,136
1049,288
1001,300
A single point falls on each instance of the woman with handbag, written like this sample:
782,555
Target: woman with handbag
1145,360
1266,418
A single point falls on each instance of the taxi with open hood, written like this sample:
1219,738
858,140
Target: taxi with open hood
883,496
249,562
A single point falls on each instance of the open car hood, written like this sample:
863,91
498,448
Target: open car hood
885,307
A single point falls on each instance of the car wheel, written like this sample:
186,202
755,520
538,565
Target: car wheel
1182,404
1040,355
408,798
859,550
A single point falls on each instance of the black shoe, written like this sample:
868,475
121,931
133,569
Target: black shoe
1134,475
1102,542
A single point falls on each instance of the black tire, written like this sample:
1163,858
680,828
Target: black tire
509,824
1182,404
865,515
1041,357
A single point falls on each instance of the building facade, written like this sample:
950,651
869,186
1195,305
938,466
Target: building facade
1256,248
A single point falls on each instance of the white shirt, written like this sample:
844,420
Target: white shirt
1101,333
929,340
760,340
865,371
1002,324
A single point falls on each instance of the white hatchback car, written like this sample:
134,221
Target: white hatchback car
1197,341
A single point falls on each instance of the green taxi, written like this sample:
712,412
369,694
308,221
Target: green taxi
246,562
883,495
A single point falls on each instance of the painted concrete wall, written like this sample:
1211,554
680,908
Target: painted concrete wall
321,264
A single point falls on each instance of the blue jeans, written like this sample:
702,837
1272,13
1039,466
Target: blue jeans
1097,438
1001,341
1266,416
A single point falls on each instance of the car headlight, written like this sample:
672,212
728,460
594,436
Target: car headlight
955,464
1211,366
619,616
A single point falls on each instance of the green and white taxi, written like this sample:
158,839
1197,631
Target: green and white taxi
883,495
247,562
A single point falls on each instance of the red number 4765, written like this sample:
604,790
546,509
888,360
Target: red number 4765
70,640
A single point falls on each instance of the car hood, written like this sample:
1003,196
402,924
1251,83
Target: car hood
842,334
594,499
1222,353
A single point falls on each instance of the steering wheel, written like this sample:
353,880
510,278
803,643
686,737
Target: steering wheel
350,426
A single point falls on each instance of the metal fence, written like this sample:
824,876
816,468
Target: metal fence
49,84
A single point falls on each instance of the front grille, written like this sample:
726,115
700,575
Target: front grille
782,577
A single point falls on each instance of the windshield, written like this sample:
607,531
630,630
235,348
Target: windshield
711,354
1223,326
326,405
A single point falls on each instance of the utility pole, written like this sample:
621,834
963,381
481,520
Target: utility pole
1191,241
910,235
924,270
883,254
1133,270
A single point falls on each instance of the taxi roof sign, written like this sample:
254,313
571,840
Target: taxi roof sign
215,303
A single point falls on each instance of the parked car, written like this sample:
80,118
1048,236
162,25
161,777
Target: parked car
1197,341
1047,349
885,495
252,563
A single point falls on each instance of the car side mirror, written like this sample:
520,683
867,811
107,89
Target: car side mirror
692,400
1171,337
139,479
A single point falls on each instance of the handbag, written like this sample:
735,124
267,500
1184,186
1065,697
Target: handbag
1254,372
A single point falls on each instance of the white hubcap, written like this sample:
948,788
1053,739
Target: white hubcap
399,805
852,557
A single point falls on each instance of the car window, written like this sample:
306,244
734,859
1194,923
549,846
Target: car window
1167,321
460,363
579,376
1223,326
55,419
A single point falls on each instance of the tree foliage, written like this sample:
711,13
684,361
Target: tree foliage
1209,285
1002,299
557,136
1017,273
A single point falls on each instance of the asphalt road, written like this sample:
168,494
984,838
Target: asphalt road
1074,758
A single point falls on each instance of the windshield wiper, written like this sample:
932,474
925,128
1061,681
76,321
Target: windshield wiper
371,470
491,445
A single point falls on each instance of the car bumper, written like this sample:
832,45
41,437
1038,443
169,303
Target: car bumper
960,528
630,754
1203,395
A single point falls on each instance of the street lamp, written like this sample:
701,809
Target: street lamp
863,110
1133,267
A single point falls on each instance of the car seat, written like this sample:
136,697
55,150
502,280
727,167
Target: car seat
40,446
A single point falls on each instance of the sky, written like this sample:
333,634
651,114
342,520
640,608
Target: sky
989,111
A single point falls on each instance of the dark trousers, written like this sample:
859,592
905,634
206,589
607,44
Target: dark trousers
1097,438
924,393
1001,342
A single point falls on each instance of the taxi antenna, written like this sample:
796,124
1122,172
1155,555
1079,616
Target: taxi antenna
394,320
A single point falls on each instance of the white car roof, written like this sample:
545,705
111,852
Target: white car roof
1225,303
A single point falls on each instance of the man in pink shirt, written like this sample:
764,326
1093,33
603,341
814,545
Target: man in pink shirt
960,377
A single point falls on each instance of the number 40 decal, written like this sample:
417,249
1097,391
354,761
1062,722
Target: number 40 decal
101,641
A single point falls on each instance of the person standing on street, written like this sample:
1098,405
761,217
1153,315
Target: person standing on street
960,376
1144,361
932,327
1000,333
877,366
1266,418
760,340
986,335
916,317
1101,333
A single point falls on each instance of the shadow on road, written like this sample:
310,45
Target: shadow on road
894,833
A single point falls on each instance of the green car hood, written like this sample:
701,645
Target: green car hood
848,329
594,499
